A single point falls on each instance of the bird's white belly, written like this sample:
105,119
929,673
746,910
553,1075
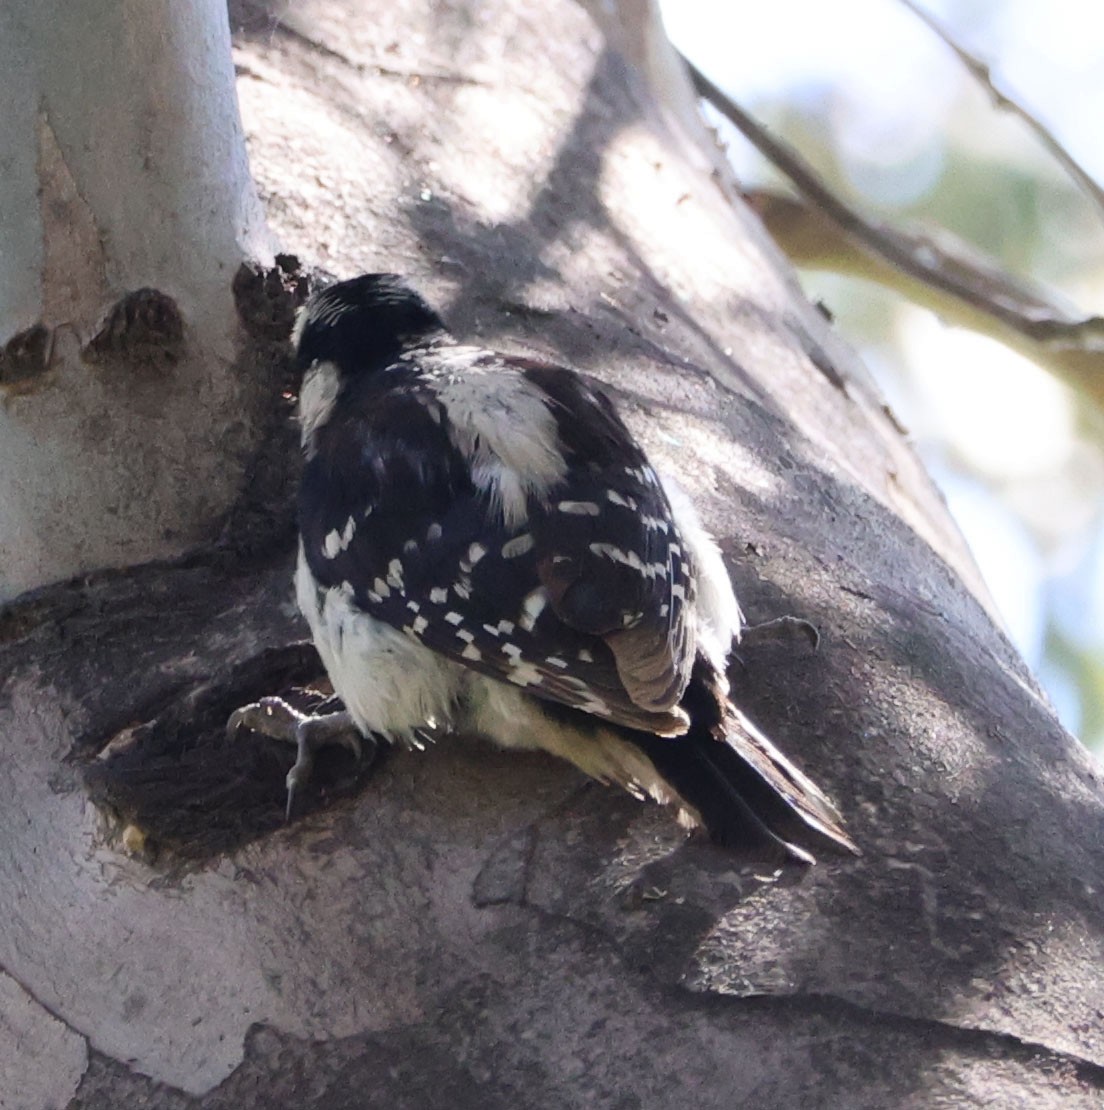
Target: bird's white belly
389,682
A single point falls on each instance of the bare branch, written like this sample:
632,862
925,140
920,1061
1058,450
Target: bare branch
941,273
981,73
1066,346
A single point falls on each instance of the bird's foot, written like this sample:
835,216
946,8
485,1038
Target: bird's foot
274,717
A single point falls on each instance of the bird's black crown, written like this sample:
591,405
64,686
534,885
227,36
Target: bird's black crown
362,323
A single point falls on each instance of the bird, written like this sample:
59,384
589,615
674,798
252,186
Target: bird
485,549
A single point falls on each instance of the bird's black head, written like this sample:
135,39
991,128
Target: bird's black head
362,324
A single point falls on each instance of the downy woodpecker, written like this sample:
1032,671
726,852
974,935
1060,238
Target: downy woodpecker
484,548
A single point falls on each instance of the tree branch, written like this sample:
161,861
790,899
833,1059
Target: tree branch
940,273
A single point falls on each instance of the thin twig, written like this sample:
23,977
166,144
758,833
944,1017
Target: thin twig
981,73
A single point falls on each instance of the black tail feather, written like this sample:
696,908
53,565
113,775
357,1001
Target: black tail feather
746,792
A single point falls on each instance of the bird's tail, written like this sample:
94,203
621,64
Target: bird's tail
745,790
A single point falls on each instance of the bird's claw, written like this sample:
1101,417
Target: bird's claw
272,716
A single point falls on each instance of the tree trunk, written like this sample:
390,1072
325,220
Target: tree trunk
125,424
469,928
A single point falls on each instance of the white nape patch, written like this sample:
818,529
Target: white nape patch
502,425
717,612
438,595
390,683
317,397
578,508
519,545
531,608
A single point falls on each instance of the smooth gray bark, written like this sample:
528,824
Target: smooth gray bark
480,929
125,425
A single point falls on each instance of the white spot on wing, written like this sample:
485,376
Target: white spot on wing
394,574
519,545
532,607
336,542
629,559
578,508
524,674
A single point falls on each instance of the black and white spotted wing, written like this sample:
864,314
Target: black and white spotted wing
611,557
565,605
